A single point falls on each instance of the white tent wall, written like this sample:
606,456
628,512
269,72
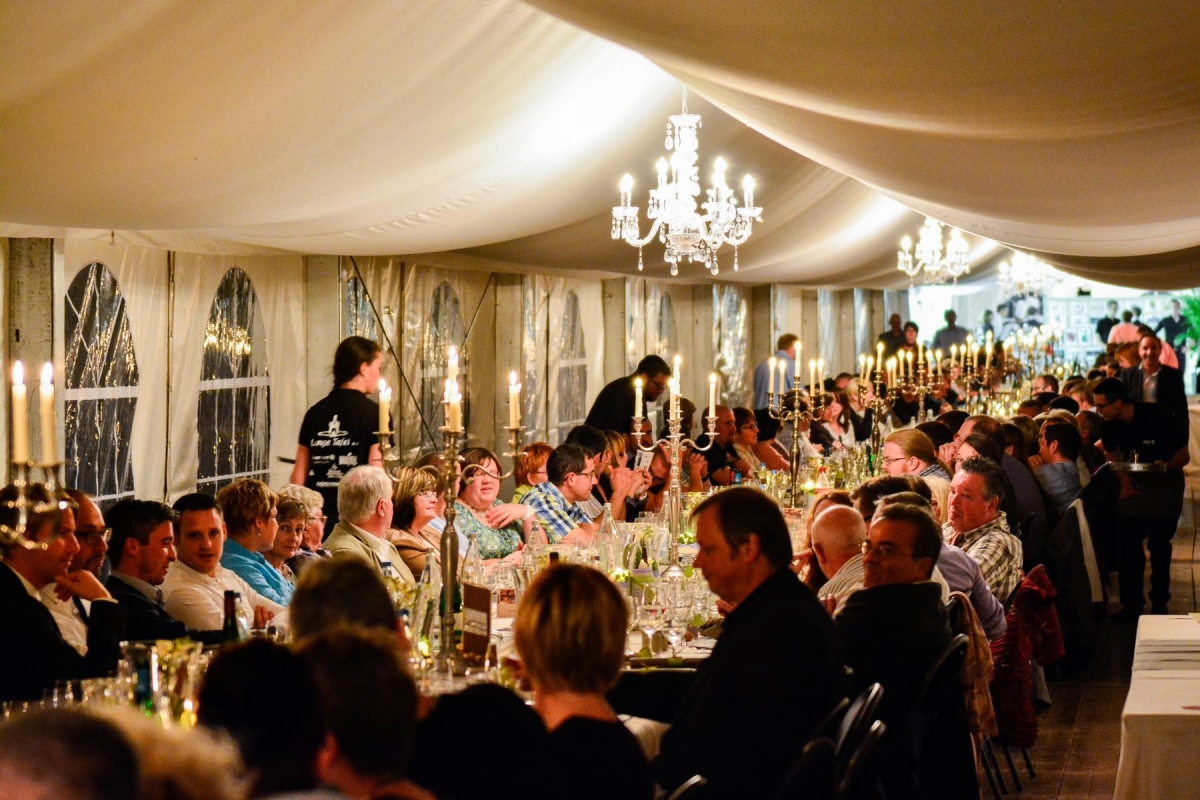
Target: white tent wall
279,284
589,307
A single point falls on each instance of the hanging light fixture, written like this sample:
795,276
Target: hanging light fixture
938,270
1027,275
673,211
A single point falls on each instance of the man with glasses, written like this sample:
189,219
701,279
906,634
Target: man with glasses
71,611
723,460
555,503
613,407
978,526
36,654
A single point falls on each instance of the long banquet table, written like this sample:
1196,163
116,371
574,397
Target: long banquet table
1160,724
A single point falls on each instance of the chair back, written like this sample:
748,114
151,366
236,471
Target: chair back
941,681
856,723
691,789
860,779
814,775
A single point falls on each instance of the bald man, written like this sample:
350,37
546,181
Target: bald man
837,536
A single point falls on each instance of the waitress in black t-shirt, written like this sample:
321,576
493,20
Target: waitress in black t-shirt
338,433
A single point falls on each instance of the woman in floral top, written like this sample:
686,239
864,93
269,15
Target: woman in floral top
499,528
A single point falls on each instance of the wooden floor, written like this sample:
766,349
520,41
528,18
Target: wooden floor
1079,736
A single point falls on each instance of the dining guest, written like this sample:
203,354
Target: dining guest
775,672
978,526
251,524
859,396
837,536
293,523
746,438
414,505
570,633
613,406
530,469
594,442
71,612
310,548
938,432
768,448
724,464
785,353
339,431
687,420
1055,465
911,452
554,502
616,474
835,419
67,754
499,528
805,563
342,592
365,511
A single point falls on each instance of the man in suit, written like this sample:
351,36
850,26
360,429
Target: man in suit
1151,381
143,549
365,512
37,655
69,611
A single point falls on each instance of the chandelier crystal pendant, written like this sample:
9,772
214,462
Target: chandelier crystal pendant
675,216
937,270
1027,275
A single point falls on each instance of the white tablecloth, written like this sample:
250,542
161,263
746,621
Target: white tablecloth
1160,724
1193,466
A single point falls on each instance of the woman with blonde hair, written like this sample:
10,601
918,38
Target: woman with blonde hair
530,469
570,634
414,506
909,451
939,488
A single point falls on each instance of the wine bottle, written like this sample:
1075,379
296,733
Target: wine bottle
230,632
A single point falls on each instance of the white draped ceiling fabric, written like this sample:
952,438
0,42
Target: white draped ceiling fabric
491,134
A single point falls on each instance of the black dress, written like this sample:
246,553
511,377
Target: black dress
600,761
338,432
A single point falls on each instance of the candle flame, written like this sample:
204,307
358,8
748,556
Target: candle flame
47,374
18,373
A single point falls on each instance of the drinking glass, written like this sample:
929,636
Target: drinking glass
676,628
650,619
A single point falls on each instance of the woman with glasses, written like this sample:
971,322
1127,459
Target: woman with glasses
531,468
314,531
500,528
746,438
414,507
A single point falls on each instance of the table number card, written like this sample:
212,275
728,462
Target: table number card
506,602
477,620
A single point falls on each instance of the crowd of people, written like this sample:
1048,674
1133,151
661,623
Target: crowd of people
961,514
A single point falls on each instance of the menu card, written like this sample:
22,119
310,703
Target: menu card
477,619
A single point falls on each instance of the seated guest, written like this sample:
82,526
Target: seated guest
768,448
723,461
595,443
835,421
67,755
414,506
687,420
911,452
617,484
1065,403
530,469
860,394
279,732
1016,445
805,563
745,438
71,612
1090,426
143,550
1030,408
369,721
892,631
1054,466
554,502
364,516
195,586
341,591
39,656
837,537
499,528
293,524
867,494
775,672
979,527
570,634
314,531
251,524
939,496
938,432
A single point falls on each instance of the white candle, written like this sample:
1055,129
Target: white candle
782,375
712,390
879,354
821,373
771,363
812,377
938,355
452,364
637,397
20,415
49,422
908,364
796,372
514,401
675,372
862,365
385,403
454,402
920,352
953,353
675,397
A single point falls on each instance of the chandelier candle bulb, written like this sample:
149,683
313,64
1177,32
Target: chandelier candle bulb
908,364
514,401
747,191
20,415
385,403
771,363
49,423
637,397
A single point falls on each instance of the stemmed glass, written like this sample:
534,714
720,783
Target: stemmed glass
676,627
650,617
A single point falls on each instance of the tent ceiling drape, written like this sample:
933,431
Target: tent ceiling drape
493,133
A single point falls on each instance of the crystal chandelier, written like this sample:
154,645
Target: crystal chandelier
938,270
673,208
1027,275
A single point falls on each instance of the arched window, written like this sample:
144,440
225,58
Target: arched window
668,339
729,342
234,419
101,387
572,369
358,317
443,328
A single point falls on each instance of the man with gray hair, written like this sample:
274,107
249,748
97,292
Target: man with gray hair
364,514
978,526
837,536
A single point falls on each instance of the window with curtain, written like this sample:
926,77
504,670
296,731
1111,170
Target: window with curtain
443,328
668,339
572,369
100,387
234,419
358,317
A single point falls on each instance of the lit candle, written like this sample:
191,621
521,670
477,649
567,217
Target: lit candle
454,401
49,423
938,356
637,397
862,365
627,186
812,377
908,363
796,372
978,351
678,361
771,363
385,403
712,390
953,353
20,415
879,354
452,364
782,375
870,366
514,401
821,373
920,352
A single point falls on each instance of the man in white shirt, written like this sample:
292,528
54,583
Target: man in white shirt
365,513
195,586
71,612
837,536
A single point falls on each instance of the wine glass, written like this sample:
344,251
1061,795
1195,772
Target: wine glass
650,619
676,628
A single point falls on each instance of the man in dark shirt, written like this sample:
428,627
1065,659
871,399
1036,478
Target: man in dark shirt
1106,323
893,338
723,461
1175,330
1151,381
1151,501
614,405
